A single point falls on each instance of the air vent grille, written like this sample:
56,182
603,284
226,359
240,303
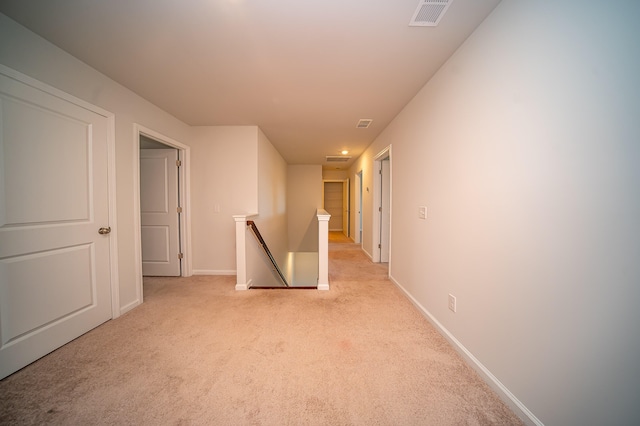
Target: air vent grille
429,13
364,123
338,158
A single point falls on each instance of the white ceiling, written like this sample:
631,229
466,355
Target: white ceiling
303,71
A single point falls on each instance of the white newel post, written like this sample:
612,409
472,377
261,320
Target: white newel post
241,252
323,249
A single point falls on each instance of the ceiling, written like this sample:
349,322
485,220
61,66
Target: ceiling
303,71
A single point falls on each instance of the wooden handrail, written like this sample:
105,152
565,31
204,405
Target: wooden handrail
254,228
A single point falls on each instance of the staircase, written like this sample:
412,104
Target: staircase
292,270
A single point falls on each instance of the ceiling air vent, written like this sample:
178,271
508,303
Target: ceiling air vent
364,123
338,158
429,13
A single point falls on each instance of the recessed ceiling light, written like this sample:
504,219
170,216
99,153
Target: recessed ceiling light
344,152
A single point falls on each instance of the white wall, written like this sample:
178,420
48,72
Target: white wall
525,148
236,170
28,53
304,197
224,182
272,198
272,217
335,174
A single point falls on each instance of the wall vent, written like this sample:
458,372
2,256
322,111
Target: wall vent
338,158
429,13
364,123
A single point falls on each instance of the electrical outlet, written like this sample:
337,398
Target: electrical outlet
422,212
452,302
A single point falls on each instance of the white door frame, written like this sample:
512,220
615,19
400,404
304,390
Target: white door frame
185,200
377,202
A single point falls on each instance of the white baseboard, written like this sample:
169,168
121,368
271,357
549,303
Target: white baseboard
369,255
130,306
214,272
514,403
242,287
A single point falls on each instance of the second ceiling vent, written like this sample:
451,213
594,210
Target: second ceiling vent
364,123
429,13
337,158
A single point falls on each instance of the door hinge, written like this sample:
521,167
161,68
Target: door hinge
380,209
179,209
178,163
379,246
180,256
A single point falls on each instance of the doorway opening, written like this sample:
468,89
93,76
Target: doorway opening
160,209
336,199
382,197
358,206
156,242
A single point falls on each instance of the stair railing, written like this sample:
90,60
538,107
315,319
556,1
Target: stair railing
254,228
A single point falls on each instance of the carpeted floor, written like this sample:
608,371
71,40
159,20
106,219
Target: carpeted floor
198,352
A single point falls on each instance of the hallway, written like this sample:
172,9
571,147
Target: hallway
200,352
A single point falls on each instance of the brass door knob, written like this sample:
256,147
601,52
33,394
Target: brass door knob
104,231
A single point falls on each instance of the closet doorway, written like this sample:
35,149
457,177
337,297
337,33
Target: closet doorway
146,138
336,203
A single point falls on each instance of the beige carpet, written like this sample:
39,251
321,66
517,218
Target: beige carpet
199,352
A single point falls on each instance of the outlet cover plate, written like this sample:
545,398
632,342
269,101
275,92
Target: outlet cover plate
422,212
452,302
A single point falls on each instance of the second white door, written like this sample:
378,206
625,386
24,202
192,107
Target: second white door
346,200
159,212
385,211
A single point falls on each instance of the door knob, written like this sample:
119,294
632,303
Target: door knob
104,231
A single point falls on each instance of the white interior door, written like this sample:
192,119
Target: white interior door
346,190
159,217
358,205
385,217
55,279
